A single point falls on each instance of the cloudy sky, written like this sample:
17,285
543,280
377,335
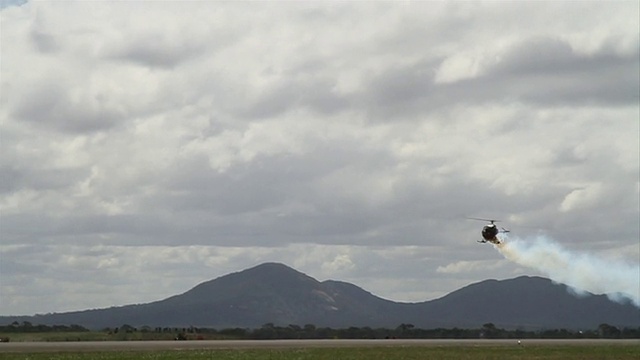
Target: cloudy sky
149,146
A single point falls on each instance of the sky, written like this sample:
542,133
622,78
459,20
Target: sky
148,146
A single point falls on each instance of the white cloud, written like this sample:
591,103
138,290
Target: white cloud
340,263
582,197
457,67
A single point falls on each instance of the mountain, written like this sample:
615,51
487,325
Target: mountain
275,293
530,303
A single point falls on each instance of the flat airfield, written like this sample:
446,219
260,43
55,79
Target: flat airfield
94,346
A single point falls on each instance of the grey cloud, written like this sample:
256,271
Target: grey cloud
273,102
538,56
51,106
548,71
23,260
265,196
92,228
165,47
19,176
401,90
540,71
44,42
278,199
294,91
156,52
229,193
567,156
307,213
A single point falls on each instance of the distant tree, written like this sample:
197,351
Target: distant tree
489,330
237,333
76,327
630,333
309,331
404,330
608,331
127,328
267,331
557,334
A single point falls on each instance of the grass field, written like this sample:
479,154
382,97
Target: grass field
358,353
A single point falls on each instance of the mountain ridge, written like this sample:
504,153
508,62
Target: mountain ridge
278,294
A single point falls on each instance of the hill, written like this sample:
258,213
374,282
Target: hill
275,293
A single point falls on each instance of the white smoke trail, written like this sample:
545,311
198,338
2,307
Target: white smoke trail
582,272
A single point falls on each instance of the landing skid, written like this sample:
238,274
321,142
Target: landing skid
493,241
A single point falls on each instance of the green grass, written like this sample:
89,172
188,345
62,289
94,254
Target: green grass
617,352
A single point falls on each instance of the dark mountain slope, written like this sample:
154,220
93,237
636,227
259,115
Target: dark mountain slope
527,302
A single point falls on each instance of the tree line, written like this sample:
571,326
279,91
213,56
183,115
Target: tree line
310,331
28,327
403,331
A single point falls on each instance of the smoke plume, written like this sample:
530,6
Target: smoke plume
582,272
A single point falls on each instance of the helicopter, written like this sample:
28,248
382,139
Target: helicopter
490,231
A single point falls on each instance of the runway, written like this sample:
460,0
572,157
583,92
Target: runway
86,346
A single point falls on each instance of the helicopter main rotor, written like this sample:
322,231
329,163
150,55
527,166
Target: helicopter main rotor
480,219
